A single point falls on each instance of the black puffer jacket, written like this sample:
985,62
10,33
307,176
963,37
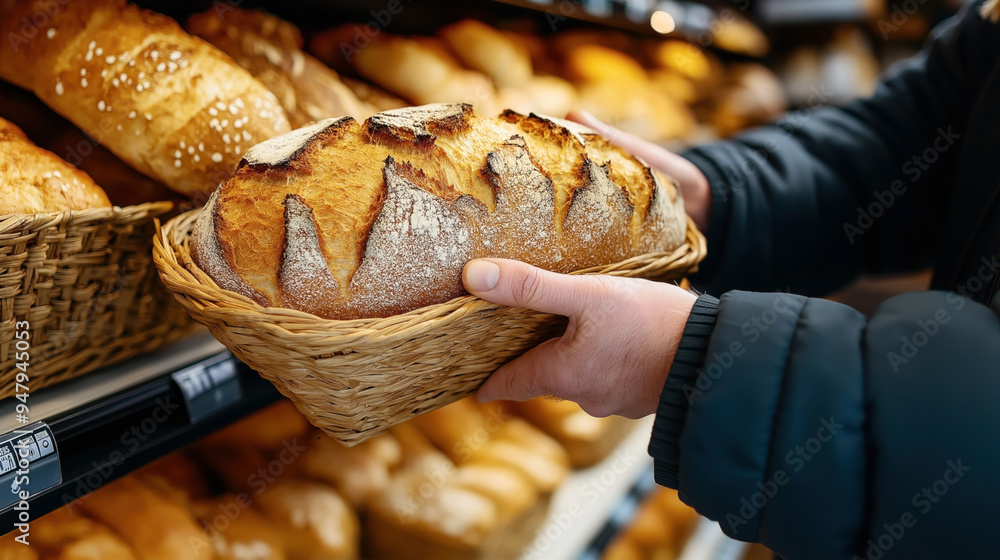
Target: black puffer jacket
802,424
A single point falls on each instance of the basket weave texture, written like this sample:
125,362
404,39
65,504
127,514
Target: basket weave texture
84,283
356,378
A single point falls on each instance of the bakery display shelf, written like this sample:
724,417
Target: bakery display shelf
595,503
86,432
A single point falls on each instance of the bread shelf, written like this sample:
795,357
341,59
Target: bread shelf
111,422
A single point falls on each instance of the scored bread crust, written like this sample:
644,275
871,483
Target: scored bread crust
348,220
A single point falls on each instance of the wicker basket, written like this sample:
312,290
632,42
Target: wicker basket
355,378
84,283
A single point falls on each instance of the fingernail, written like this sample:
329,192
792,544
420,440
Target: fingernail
483,397
481,276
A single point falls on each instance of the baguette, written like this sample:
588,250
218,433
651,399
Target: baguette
35,180
484,48
346,220
170,105
271,50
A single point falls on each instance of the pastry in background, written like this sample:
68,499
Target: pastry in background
703,70
375,96
659,529
36,180
486,49
237,530
14,550
157,528
590,63
849,67
239,468
419,70
675,85
641,110
313,520
740,35
176,477
587,440
268,430
356,472
271,50
754,96
550,95
172,106
562,43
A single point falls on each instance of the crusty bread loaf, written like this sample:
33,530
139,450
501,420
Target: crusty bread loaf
347,220
314,521
35,180
486,49
271,50
157,528
172,106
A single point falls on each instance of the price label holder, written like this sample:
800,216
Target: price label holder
209,386
29,465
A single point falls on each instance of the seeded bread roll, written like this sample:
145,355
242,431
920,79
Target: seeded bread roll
271,49
346,220
34,180
168,104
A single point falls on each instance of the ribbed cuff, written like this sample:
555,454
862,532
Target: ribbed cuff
672,411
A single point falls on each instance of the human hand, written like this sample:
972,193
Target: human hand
693,183
618,347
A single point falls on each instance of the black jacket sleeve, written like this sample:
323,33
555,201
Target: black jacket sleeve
824,435
825,194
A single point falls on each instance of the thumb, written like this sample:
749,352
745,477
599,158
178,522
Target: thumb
518,284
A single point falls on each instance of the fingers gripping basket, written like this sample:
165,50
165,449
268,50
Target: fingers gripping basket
356,378
78,291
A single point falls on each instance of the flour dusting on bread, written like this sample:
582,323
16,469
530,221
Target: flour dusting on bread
348,220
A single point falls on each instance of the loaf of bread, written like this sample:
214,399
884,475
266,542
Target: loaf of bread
373,95
237,530
35,180
314,522
346,220
176,477
67,535
170,105
157,528
271,49
357,472
484,48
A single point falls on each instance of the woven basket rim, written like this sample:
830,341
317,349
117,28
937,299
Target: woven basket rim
15,222
187,279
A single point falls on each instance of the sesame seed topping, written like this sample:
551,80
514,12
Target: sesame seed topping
226,138
246,136
175,55
91,46
131,114
177,163
238,123
172,66
183,144
50,33
148,117
83,82
99,51
225,123
212,111
59,88
155,55
123,77
239,102
104,73
190,150
177,154
233,108
197,158
161,67
111,59
83,72
138,88
220,106
141,75
237,150
115,82
57,174
217,157
145,85
119,128
131,62
101,105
